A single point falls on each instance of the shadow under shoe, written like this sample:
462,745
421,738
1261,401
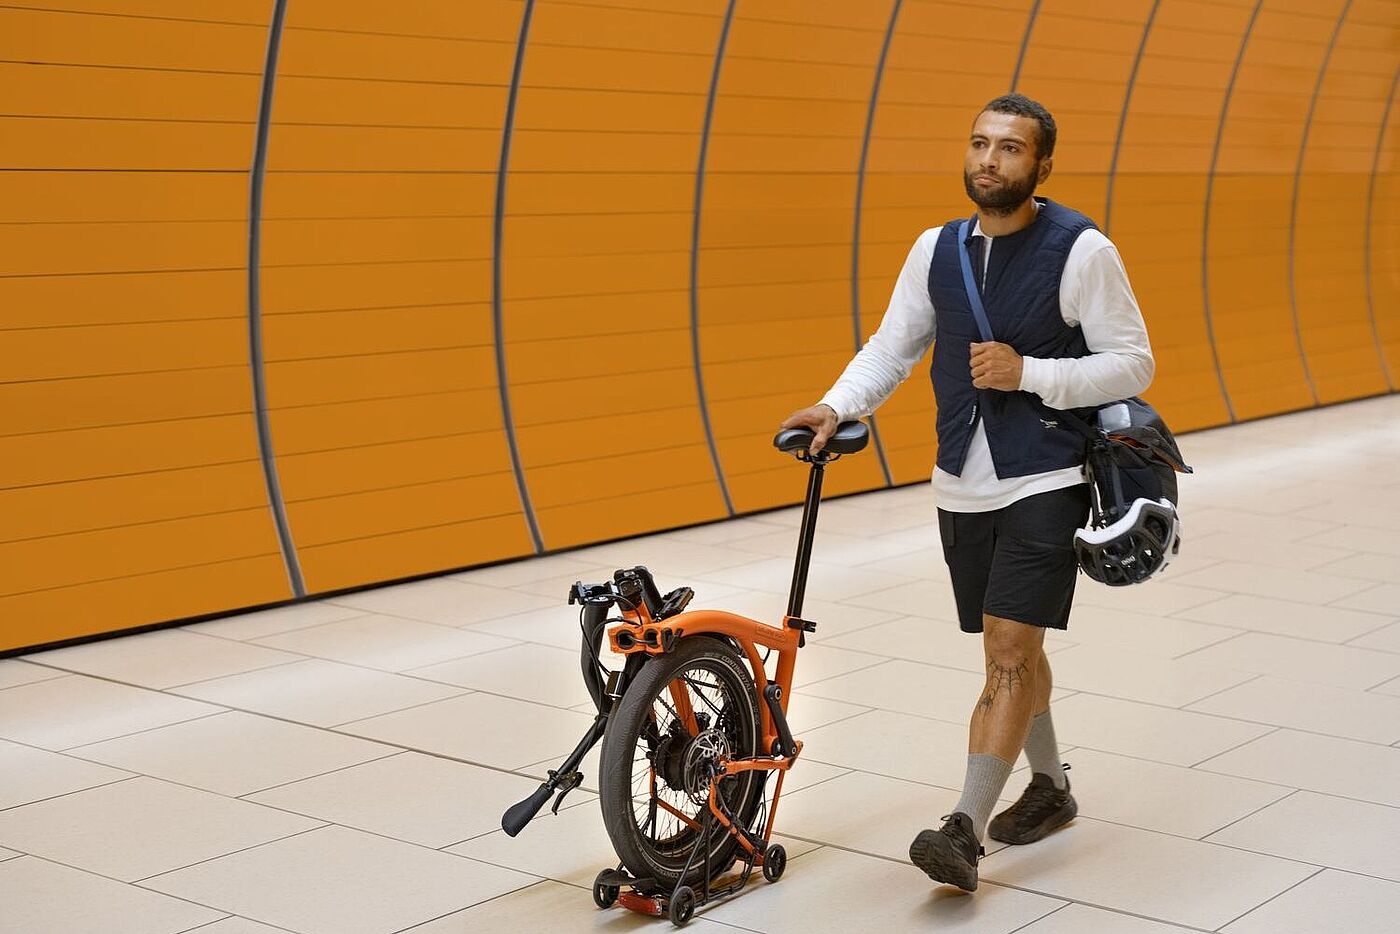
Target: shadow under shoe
950,853
1041,809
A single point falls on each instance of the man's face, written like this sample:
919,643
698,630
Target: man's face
1001,169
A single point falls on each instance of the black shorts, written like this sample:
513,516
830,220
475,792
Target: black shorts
1018,562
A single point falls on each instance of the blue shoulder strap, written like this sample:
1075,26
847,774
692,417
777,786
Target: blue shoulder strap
974,298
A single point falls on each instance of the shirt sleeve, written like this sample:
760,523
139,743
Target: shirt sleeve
1096,297
905,334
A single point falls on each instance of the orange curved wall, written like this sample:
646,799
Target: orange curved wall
534,273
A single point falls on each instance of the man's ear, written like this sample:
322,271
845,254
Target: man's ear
1044,171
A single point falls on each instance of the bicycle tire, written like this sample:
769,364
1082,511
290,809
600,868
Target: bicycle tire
642,854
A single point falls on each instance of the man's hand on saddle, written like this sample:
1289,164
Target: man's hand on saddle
820,418
996,366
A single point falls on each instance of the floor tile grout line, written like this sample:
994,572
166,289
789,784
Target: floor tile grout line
1202,648
477,690
409,619
210,627
1253,676
1291,789
1022,927
1270,899
1178,765
103,875
68,750
1176,614
64,794
1377,585
874,664
1007,885
581,802
1186,708
235,915
272,807
269,716
195,699
25,684
304,658
1205,836
1072,692
234,674
242,849
851,716
247,795
461,692
1381,683
1315,642
1216,755
1326,794
539,880
1371,632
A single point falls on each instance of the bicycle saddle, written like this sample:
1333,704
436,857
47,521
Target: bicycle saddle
849,438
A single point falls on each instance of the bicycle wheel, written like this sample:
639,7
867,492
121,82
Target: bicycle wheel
683,711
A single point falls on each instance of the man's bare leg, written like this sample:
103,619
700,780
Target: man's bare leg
998,729
1042,750
1017,688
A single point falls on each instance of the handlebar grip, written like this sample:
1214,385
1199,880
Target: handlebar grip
515,819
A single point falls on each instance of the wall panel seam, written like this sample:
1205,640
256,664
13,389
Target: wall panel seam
1123,118
1370,217
496,293
1293,207
1205,219
255,338
1025,44
855,236
695,258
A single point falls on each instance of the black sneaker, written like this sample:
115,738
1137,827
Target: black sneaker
1041,808
949,854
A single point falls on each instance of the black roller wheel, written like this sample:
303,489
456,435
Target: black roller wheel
684,712
774,862
682,906
604,895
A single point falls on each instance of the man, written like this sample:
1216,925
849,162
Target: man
1008,481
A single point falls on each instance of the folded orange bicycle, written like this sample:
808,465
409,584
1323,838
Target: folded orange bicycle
692,727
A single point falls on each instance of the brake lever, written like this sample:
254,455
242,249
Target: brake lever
567,784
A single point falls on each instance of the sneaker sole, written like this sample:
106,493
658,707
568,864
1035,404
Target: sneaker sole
930,852
1054,822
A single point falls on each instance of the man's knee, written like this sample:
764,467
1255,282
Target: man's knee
1013,646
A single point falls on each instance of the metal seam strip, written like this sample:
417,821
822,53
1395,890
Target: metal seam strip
855,236
1025,44
1370,215
1123,118
1293,208
496,310
695,258
1205,219
255,348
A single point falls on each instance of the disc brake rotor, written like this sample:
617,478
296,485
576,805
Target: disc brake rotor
702,759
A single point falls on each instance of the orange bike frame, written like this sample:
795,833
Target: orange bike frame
640,634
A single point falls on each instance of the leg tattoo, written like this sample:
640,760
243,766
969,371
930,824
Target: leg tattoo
1002,678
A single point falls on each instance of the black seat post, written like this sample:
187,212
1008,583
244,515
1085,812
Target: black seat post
809,530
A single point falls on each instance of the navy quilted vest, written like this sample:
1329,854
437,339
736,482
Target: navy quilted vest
1022,299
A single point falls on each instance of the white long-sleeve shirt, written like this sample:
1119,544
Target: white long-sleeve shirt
1094,296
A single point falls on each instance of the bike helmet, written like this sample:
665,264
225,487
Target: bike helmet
1132,549
1131,466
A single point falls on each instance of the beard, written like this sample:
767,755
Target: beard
1003,199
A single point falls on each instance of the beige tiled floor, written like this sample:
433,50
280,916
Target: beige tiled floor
341,766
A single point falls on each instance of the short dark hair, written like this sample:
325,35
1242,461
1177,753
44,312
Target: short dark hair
1019,105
